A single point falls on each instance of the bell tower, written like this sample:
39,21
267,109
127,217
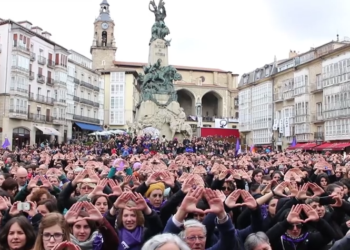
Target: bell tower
103,47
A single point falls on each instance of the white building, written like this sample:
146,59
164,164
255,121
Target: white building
85,99
33,89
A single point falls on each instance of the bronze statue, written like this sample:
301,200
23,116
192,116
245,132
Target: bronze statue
159,11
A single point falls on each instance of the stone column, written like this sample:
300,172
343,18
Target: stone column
158,49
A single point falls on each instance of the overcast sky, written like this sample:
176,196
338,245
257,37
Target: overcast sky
233,35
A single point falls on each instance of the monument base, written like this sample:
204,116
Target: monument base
169,120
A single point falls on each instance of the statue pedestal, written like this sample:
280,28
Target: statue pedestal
158,50
169,120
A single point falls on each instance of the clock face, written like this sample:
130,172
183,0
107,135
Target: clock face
105,26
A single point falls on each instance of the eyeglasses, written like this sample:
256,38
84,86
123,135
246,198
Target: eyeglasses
87,188
194,238
298,226
56,236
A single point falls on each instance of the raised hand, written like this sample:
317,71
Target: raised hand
221,195
122,200
152,179
215,203
3,204
116,189
93,212
168,179
45,183
73,213
294,214
14,209
280,188
189,203
33,182
248,200
302,193
140,202
79,178
136,182
98,190
316,189
310,213
32,211
66,245
187,185
93,176
231,200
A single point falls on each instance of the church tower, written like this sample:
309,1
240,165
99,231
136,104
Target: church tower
103,47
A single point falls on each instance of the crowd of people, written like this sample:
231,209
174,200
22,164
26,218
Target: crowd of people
152,194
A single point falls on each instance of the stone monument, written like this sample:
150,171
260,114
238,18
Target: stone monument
158,107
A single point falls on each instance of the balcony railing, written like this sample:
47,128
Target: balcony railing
58,120
31,75
21,48
40,79
32,56
41,98
50,64
76,80
319,136
96,105
317,117
60,100
96,88
316,86
87,85
31,96
21,69
86,119
40,118
302,118
19,90
300,90
288,94
278,97
50,81
58,81
16,112
76,99
41,60
86,101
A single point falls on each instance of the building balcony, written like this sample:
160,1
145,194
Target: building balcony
61,83
336,112
50,81
316,87
59,120
278,97
40,118
60,66
317,118
86,119
302,118
60,101
18,113
21,48
76,80
86,101
76,99
304,137
19,69
96,105
319,136
41,98
97,89
41,79
86,85
31,96
50,64
288,94
31,75
300,90
32,56
41,60
18,91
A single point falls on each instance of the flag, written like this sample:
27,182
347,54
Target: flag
252,149
238,147
294,142
6,143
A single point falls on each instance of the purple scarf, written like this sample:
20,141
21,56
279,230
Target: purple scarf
130,240
157,209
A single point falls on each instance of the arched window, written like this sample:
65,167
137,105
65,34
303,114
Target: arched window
104,38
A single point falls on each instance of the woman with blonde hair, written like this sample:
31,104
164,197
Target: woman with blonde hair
53,233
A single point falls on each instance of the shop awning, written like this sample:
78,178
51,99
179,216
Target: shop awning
297,146
324,146
48,130
339,146
90,127
308,146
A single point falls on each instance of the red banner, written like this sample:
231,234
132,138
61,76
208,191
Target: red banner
219,132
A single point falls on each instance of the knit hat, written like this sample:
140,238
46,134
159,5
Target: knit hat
152,187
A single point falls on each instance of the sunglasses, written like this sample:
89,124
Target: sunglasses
226,188
298,226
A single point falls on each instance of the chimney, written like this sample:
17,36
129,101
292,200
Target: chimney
37,29
292,54
26,24
46,34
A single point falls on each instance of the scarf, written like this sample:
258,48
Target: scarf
86,245
130,239
157,209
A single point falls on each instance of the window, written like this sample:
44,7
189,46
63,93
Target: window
75,110
81,111
267,71
20,62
